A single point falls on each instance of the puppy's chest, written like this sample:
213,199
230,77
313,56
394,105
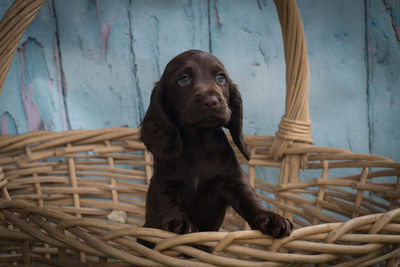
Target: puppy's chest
200,176
196,187
202,170
203,173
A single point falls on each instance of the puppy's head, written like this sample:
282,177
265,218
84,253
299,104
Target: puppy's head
197,88
194,90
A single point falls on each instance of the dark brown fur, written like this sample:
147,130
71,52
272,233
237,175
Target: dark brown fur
196,175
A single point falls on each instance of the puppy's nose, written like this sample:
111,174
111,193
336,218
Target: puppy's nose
211,101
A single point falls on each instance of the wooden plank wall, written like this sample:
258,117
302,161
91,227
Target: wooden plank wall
92,64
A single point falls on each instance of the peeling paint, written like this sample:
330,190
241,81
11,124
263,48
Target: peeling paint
263,54
349,147
381,58
8,124
31,110
381,51
98,56
216,15
105,29
370,76
39,93
156,43
61,86
141,111
103,32
209,26
394,11
4,126
261,4
341,36
61,81
188,8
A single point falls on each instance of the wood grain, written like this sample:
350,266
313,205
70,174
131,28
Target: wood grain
95,67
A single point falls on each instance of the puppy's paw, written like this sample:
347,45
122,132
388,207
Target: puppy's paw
180,226
273,224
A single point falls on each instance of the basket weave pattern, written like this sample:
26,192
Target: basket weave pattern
77,197
59,189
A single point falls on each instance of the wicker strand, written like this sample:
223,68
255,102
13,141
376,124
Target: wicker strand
113,183
295,124
321,190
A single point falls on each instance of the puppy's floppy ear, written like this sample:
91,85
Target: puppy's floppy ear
158,131
236,121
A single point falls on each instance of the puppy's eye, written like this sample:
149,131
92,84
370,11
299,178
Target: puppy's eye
220,78
184,80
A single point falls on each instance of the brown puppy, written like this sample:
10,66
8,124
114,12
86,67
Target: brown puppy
196,175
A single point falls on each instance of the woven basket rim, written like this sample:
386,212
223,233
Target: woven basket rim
230,241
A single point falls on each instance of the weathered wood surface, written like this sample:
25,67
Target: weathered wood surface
92,64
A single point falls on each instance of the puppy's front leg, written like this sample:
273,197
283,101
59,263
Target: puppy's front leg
242,197
164,208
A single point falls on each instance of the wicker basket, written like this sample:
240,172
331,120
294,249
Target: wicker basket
77,197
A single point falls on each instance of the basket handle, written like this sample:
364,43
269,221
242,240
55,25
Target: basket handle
12,26
295,125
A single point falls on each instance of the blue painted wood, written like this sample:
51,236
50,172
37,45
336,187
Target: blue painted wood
383,88
247,38
160,31
32,98
336,42
92,64
94,41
